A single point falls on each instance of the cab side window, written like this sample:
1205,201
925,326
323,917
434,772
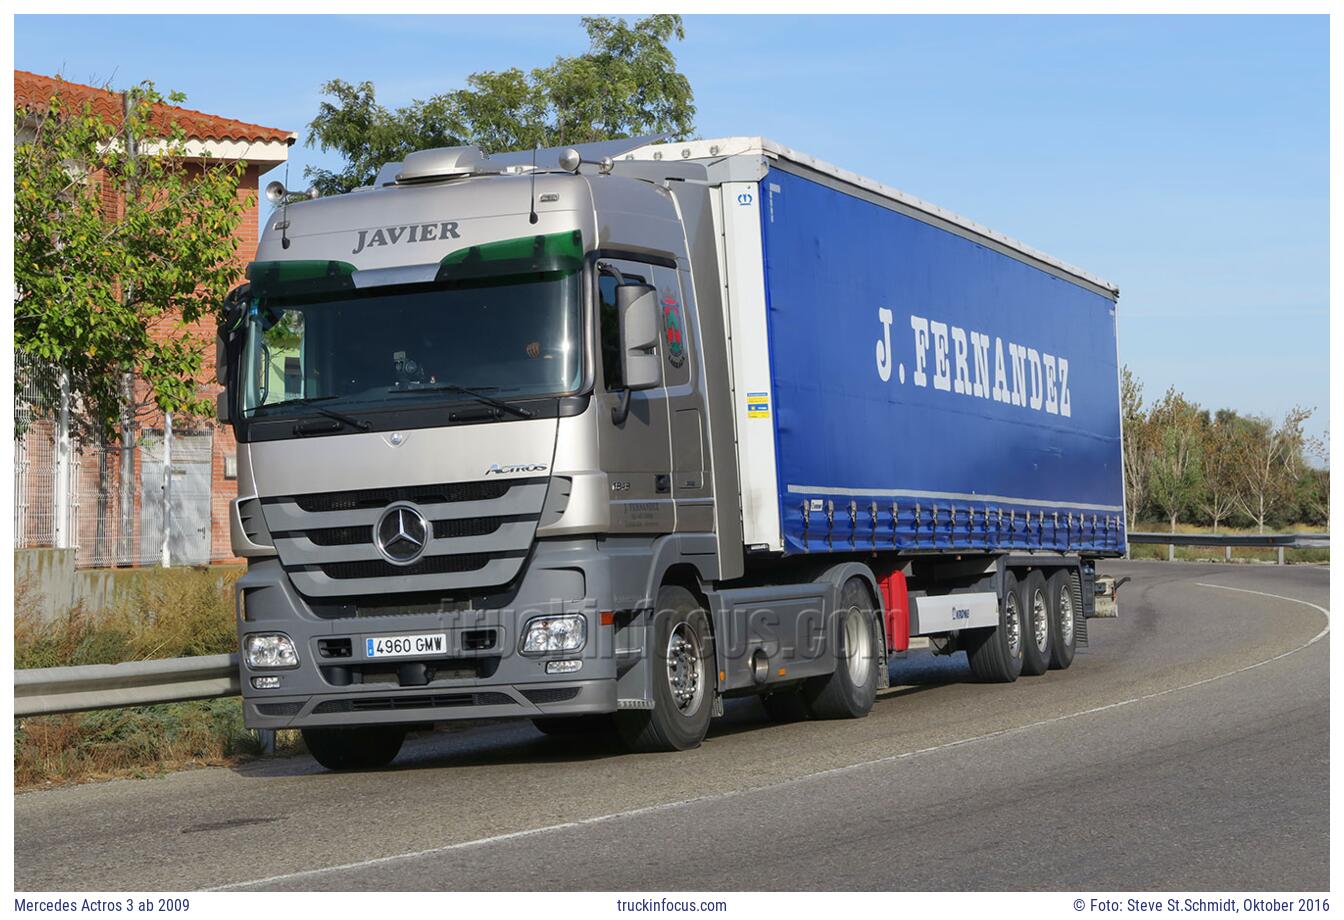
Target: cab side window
610,325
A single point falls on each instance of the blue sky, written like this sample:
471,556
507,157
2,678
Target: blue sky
1185,158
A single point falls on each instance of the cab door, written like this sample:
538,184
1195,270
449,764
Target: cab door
636,450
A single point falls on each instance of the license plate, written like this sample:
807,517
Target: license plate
403,646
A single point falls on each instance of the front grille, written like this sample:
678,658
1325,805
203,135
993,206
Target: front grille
428,565
352,536
430,701
551,695
423,495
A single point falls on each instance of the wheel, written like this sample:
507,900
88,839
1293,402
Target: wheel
1059,592
683,678
1039,632
574,725
354,748
996,654
848,692
785,705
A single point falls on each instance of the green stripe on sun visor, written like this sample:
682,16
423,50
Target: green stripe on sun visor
299,277
552,252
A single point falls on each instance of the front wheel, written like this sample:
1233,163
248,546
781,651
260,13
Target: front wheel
363,748
683,680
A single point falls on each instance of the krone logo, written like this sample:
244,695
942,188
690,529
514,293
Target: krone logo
401,534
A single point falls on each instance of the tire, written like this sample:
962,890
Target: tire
684,678
1039,630
784,706
571,726
848,692
363,748
1059,591
996,654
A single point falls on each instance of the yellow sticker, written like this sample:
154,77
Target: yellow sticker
758,405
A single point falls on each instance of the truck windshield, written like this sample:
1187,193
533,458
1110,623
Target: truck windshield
508,336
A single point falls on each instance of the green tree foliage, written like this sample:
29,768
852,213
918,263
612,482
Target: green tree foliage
1176,473
1221,437
626,84
1183,463
1138,443
102,291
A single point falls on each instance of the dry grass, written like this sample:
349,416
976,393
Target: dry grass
167,613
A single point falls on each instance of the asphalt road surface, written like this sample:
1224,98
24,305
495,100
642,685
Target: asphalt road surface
1187,748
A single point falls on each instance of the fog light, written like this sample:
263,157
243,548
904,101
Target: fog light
270,650
266,682
555,634
558,667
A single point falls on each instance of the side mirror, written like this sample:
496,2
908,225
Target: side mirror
222,407
221,359
641,366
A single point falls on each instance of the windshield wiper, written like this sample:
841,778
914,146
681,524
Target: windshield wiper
468,391
305,428
341,417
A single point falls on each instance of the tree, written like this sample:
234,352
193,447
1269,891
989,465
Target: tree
625,85
101,291
1175,473
1269,459
1138,446
1218,499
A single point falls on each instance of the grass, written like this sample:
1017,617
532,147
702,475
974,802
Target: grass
1217,553
169,613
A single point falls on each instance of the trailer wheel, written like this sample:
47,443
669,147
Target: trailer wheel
362,748
570,726
996,654
683,678
1059,592
1038,636
785,705
848,692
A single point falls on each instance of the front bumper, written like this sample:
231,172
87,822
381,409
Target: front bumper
477,674
407,706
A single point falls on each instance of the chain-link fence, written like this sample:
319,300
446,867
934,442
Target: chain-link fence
149,504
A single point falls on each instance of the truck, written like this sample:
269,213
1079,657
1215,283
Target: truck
601,436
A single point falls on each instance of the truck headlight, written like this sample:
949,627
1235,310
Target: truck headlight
555,634
270,650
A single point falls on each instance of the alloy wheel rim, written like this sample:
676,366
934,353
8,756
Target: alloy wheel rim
858,645
1066,615
1040,620
685,668
1013,621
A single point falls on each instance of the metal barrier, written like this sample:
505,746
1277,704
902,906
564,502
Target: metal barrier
1278,541
44,691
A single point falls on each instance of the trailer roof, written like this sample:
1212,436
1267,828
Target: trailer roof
723,148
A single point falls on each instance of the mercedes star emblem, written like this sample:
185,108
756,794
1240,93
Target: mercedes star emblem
401,534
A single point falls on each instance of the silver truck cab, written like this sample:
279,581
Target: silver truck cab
478,428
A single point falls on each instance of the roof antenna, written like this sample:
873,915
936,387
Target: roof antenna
284,211
532,195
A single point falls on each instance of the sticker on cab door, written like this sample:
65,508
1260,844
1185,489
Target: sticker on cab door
758,405
672,328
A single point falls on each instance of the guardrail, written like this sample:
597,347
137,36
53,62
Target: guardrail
1278,541
45,691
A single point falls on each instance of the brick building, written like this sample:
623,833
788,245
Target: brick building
62,490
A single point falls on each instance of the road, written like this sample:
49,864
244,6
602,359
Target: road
1187,748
